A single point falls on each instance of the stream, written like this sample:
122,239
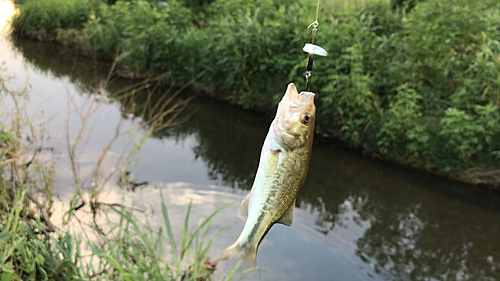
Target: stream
356,218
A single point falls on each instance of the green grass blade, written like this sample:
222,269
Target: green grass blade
186,226
116,265
169,230
230,275
5,235
201,226
247,272
13,218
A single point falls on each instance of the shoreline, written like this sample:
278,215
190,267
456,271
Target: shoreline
484,179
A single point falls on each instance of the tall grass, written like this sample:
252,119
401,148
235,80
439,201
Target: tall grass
29,252
124,246
130,250
346,7
43,20
402,78
137,252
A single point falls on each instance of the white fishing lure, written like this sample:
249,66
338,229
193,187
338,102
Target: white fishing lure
315,50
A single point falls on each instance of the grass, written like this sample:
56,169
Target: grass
340,7
44,19
123,246
30,253
129,250
402,76
141,256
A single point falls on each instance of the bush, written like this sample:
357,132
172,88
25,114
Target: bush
251,48
443,38
132,250
402,77
42,19
401,119
143,34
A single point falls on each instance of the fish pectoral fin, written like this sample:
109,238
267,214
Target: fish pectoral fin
243,211
287,217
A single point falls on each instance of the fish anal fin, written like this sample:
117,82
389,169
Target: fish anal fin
287,217
243,211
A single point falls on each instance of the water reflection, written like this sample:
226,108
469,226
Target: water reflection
84,72
403,224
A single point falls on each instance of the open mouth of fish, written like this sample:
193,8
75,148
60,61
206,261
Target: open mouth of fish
298,101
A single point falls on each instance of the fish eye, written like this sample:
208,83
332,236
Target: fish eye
306,118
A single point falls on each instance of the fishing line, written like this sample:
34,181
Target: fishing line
311,48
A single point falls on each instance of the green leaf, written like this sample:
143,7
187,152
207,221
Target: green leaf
6,275
40,259
169,230
4,235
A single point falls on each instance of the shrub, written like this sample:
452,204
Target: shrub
42,19
402,77
141,33
443,38
401,119
253,45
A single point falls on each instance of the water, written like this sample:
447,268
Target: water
357,219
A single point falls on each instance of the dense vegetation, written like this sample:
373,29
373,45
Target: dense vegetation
130,251
417,82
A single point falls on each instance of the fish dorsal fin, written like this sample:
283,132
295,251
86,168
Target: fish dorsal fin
287,217
243,212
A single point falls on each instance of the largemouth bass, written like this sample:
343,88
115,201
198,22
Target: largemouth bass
282,170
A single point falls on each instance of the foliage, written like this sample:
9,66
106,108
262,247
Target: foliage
33,248
402,116
137,253
29,252
402,77
26,186
251,40
139,30
42,19
6,138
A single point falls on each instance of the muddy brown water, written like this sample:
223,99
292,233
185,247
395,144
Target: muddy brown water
356,218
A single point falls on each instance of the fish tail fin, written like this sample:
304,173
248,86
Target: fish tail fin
249,254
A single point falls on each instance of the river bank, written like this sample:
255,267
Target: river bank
418,92
356,218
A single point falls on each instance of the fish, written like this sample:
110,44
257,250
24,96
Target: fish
283,166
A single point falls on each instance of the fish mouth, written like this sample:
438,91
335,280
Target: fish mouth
289,128
293,102
305,96
295,99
